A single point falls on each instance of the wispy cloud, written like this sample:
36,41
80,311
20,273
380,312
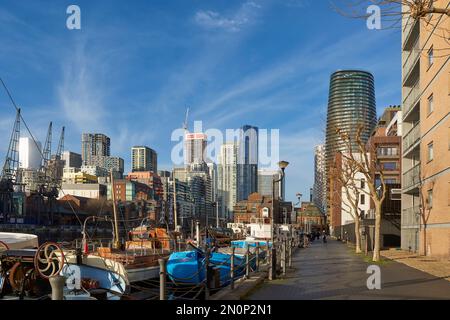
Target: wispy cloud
234,23
80,94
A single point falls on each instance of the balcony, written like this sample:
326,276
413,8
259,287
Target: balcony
411,177
411,138
411,100
411,217
411,60
408,29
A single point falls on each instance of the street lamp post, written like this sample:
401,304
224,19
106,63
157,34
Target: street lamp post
272,267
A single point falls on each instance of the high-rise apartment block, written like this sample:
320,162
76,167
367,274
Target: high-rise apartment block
227,182
94,144
144,159
319,194
195,148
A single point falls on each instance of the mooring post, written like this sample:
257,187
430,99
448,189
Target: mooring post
57,284
247,262
162,279
208,277
232,268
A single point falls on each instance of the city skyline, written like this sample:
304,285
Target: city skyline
81,82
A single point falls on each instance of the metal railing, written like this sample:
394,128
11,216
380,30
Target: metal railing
411,137
254,258
411,177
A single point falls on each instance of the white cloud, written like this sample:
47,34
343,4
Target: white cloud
81,94
214,20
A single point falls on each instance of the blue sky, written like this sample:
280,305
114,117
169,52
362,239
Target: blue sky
135,65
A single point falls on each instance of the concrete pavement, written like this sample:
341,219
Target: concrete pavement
333,271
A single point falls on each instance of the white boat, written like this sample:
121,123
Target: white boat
18,241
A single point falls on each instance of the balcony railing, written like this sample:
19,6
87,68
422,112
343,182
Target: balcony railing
408,28
411,99
411,217
411,137
411,177
411,60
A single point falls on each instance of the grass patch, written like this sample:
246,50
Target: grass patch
368,259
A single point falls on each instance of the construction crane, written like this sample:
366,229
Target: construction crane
9,176
60,149
11,164
47,151
185,123
48,184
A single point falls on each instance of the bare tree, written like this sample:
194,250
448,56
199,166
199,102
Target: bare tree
425,210
397,13
367,164
346,175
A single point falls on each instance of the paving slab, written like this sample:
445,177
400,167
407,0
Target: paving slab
333,271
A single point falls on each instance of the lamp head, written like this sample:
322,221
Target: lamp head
283,165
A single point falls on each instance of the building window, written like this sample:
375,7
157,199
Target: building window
389,166
430,152
430,57
363,199
363,184
430,199
430,105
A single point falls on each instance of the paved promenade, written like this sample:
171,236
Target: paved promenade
333,271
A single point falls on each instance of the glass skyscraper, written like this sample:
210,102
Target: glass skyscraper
351,104
247,173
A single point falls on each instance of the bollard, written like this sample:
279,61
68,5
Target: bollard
232,268
257,257
57,284
247,263
207,270
162,279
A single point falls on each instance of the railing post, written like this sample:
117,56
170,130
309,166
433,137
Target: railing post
162,279
273,262
283,257
207,276
232,268
290,253
197,234
257,256
247,263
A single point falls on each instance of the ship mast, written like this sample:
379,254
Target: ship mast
175,201
116,224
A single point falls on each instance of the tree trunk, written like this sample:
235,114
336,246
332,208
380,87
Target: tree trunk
357,236
424,238
376,249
